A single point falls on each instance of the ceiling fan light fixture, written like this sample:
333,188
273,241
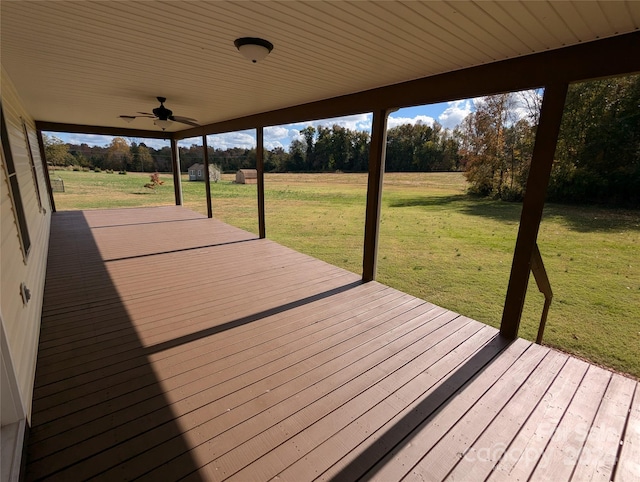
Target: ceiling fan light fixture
252,48
162,117
162,123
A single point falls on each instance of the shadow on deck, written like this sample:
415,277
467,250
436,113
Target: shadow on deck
174,346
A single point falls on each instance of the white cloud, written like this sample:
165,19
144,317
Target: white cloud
283,135
155,143
419,119
271,145
190,141
90,139
522,104
279,136
357,122
276,132
104,141
456,112
243,139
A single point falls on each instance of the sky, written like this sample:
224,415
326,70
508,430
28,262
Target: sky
449,114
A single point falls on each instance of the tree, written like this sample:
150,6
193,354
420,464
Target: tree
335,148
497,144
341,145
450,145
144,160
190,156
296,161
308,134
420,147
360,151
400,148
118,155
162,159
56,151
598,153
322,158
276,160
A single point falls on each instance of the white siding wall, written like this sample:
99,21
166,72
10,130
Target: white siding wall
21,323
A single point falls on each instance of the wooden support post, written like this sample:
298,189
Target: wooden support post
544,285
175,165
45,170
207,181
374,193
260,171
536,190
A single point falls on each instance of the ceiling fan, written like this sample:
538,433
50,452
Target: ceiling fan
162,116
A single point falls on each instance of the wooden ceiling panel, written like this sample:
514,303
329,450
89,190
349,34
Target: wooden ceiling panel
88,62
469,21
444,22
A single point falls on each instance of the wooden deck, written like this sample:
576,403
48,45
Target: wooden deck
174,346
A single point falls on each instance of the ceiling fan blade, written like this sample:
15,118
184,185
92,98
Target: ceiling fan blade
148,114
184,120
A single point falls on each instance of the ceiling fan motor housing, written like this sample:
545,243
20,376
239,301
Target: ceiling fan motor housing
162,112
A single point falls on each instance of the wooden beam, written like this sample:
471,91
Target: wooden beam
260,171
102,130
536,190
45,170
175,166
207,181
377,154
601,58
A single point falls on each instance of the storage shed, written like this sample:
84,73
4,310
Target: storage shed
196,173
247,176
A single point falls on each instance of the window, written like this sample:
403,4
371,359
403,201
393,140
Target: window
32,164
14,188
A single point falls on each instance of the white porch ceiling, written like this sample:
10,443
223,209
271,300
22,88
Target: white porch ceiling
89,62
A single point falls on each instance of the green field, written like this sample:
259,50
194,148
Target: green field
436,242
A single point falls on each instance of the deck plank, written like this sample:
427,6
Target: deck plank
251,431
297,323
628,468
407,454
176,346
319,426
452,446
561,453
523,453
598,457
217,415
477,462
225,375
260,332
337,438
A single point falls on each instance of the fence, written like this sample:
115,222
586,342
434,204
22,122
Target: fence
57,185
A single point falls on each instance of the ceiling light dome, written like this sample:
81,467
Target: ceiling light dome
254,49
162,123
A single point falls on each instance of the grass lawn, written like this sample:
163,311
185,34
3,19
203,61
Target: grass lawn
436,242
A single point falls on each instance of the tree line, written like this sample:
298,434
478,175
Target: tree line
597,159
416,147
119,155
